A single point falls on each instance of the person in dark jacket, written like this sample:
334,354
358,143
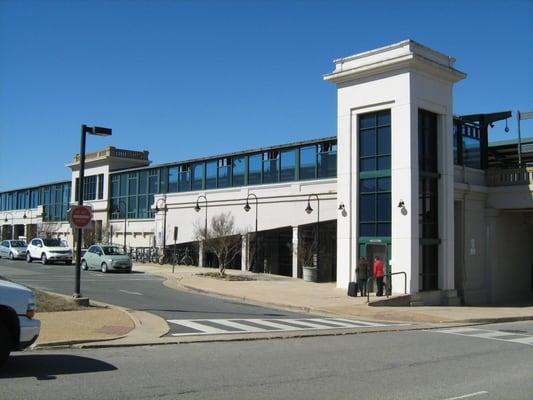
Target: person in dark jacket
361,272
379,271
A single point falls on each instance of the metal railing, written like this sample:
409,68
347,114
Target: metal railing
387,289
511,176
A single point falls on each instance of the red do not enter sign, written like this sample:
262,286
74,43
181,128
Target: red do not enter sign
80,216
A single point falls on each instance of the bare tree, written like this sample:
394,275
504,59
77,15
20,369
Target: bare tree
221,238
47,229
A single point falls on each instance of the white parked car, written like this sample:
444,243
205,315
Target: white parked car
18,328
48,250
13,249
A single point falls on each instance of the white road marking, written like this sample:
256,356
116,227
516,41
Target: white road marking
488,334
202,327
465,396
128,292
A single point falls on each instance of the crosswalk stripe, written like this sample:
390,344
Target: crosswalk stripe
488,334
197,326
203,327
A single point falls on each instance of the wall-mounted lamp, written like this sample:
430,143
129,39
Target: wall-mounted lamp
341,207
401,204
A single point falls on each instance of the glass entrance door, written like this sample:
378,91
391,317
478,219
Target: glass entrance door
374,250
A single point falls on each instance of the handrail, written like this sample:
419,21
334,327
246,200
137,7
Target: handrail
387,291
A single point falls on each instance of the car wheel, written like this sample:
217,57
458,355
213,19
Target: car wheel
83,265
6,343
44,260
11,257
28,257
104,268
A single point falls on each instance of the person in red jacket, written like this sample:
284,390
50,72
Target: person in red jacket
378,273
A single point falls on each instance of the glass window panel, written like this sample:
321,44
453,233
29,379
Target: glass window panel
367,121
288,165
238,169
384,162
367,143
143,182
115,185
185,180
223,177
308,160
143,207
152,182
367,164
384,184
132,185
132,207
254,169
123,185
384,117
384,140
384,229
172,180
367,229
367,185
197,176
211,175
384,207
270,171
150,202
327,165
367,207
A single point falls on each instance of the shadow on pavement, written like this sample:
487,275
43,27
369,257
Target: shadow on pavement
47,366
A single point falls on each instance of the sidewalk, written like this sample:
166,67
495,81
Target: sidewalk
324,298
115,326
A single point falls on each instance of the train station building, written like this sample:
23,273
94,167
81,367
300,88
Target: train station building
403,179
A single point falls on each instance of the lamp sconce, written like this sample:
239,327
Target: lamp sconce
341,207
401,204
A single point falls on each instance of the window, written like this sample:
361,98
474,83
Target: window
427,141
308,158
185,178
238,170
211,175
197,176
327,160
254,169
375,141
271,166
100,186
172,180
375,209
224,172
288,165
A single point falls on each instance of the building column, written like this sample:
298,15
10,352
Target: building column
295,252
201,255
244,253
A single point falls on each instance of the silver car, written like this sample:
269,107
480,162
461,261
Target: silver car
13,249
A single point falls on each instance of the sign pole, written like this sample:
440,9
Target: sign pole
175,240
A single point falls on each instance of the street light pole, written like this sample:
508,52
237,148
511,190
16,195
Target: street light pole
31,222
125,220
164,222
197,209
309,210
12,226
99,131
247,208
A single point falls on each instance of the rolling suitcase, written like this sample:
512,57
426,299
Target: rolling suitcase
352,289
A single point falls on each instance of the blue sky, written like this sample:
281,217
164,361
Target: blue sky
186,79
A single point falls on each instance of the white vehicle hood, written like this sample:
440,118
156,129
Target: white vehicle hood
15,296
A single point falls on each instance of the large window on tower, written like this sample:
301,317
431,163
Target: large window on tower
428,194
374,143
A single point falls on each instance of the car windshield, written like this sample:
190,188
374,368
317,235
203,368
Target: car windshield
18,243
112,250
52,242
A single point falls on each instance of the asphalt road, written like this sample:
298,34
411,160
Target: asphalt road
388,365
137,291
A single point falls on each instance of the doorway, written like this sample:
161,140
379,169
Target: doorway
373,250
